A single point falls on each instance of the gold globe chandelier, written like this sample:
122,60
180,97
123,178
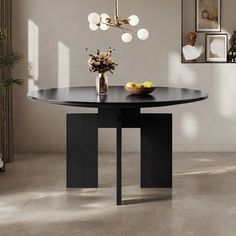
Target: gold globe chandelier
104,22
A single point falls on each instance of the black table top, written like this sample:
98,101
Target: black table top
117,97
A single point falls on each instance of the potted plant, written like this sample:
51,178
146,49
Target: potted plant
8,60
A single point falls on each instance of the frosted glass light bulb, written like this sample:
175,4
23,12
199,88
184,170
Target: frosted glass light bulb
126,37
133,20
143,34
93,27
93,18
104,27
104,16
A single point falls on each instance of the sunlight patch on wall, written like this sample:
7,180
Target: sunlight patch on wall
226,91
180,74
63,65
33,55
189,125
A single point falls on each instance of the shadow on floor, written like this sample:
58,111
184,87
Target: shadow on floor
161,195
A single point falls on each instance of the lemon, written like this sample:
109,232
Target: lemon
131,85
148,84
140,86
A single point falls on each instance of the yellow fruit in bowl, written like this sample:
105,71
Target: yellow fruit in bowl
148,84
131,85
140,86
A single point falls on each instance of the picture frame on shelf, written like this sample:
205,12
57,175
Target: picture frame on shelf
208,16
216,48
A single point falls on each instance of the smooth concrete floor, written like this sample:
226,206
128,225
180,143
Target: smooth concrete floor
34,200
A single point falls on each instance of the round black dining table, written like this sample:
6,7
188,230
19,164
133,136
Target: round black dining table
118,110
117,97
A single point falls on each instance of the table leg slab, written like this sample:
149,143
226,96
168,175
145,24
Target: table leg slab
156,150
82,151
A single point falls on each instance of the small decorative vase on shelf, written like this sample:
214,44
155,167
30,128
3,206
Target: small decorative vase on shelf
102,84
233,39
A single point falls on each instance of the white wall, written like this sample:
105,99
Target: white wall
60,24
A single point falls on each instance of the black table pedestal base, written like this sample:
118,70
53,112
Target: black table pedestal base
82,147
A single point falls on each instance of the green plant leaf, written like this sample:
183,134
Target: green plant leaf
8,83
10,60
3,37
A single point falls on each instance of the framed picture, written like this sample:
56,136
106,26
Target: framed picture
208,15
216,47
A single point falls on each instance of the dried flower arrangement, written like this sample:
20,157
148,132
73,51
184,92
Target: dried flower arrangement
102,61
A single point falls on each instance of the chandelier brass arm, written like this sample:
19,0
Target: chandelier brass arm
104,21
116,9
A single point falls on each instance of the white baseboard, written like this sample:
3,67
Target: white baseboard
205,148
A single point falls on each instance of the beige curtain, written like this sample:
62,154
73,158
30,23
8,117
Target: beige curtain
6,121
